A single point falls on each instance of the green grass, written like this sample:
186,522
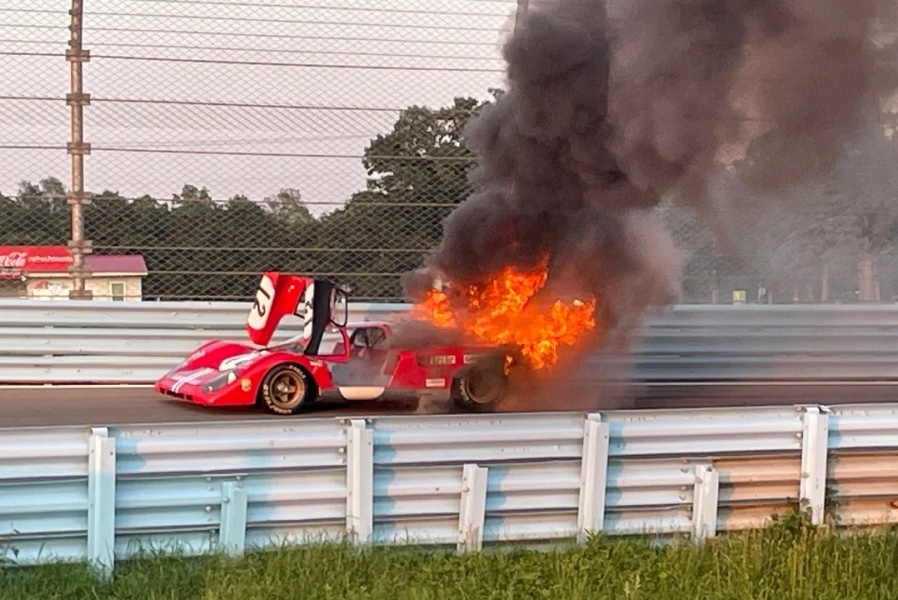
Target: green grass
789,561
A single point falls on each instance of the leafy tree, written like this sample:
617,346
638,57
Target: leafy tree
851,214
200,248
287,205
418,173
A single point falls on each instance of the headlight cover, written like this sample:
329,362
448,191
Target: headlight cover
223,380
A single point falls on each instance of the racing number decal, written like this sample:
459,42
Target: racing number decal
258,314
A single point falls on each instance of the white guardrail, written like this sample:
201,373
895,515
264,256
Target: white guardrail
106,342
103,494
119,342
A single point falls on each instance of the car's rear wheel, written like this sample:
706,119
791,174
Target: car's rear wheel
287,389
479,388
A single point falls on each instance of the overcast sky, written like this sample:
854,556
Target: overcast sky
347,67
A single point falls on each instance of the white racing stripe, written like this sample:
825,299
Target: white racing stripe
191,379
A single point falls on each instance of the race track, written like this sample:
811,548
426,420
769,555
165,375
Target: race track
110,406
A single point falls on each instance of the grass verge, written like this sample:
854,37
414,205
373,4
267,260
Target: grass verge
789,561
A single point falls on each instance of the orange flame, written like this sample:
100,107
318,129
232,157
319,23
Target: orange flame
500,313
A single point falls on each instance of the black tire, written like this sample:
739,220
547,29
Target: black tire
276,395
479,388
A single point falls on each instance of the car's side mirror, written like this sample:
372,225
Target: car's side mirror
339,308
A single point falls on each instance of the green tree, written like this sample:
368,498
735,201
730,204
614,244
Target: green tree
852,213
417,174
37,215
287,205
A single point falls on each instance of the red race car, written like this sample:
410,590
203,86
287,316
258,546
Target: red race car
364,365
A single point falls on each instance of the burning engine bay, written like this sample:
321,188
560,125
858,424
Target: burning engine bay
610,108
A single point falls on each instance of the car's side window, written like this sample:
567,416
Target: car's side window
376,338
359,338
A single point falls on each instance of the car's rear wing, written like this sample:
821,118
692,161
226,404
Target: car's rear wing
313,300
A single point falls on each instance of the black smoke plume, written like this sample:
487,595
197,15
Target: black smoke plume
611,107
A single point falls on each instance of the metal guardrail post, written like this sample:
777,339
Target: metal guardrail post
234,503
472,513
705,502
360,481
77,148
814,453
593,476
101,477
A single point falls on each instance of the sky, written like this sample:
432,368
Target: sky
239,96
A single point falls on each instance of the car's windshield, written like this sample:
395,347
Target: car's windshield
294,345
297,346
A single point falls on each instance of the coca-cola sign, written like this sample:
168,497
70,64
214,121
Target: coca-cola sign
13,260
16,261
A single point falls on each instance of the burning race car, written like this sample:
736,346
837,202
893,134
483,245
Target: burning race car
365,364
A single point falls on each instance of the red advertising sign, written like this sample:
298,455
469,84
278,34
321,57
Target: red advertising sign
16,261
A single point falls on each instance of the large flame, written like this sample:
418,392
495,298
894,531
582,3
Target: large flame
501,313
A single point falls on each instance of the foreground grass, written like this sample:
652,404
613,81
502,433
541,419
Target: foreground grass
787,562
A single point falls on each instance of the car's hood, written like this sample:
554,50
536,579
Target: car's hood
220,356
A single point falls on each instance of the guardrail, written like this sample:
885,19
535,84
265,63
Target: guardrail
106,493
107,342
115,342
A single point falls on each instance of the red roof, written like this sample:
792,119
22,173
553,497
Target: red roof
116,263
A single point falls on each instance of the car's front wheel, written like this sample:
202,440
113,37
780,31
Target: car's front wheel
287,389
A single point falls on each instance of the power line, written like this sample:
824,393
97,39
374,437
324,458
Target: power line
41,11
275,36
213,104
260,50
297,21
243,141
320,7
38,54
248,105
29,147
334,108
281,64
167,59
26,26
266,154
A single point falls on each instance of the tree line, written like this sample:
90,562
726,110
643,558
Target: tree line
834,245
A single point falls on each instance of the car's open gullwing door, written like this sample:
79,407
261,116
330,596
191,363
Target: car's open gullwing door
311,299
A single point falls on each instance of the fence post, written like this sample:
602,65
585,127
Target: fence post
814,446
360,481
593,476
77,198
101,501
705,502
472,511
234,505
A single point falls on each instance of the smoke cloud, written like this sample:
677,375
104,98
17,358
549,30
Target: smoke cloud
611,107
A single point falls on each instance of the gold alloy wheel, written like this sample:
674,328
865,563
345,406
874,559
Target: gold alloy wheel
288,389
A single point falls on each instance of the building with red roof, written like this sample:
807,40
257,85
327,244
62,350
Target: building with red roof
42,272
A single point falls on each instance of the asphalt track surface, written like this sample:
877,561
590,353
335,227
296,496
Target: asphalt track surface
45,406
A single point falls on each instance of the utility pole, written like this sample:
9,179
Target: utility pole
520,13
77,197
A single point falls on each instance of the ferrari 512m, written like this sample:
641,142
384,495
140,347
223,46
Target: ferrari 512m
287,377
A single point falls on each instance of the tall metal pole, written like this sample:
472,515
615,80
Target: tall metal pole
520,13
77,148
